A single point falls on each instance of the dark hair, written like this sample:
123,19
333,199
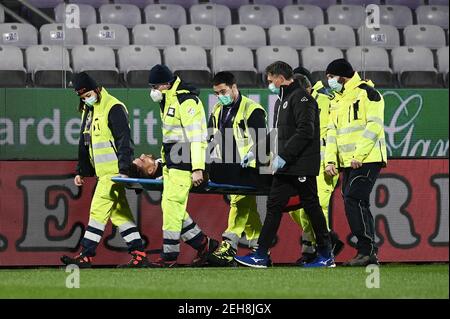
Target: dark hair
224,77
280,68
302,80
99,98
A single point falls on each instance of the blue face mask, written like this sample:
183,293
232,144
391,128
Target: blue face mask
274,89
225,99
334,84
90,100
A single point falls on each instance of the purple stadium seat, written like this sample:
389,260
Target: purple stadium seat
43,4
232,4
324,4
361,2
438,2
279,3
94,3
184,3
139,3
409,3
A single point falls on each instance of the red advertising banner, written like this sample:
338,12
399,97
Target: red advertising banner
43,215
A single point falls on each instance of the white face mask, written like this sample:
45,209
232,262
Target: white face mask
334,84
90,100
156,95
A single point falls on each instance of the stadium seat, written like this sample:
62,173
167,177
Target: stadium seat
398,16
204,35
386,36
436,15
111,35
157,35
45,4
127,14
213,14
97,61
293,35
57,34
94,3
351,15
49,65
361,2
171,14
236,59
184,3
430,36
409,3
12,71
442,57
415,67
190,63
263,15
269,54
2,15
308,15
87,14
336,35
18,34
135,62
251,36
324,4
279,3
374,61
317,58
232,4
438,2
139,3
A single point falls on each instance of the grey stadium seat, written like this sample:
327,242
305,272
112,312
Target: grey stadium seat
127,14
442,57
374,61
2,15
12,71
307,15
57,34
436,15
279,3
135,62
171,14
430,36
190,63
336,35
158,35
185,3
269,54
263,15
204,35
351,15
232,4
111,35
251,36
87,14
49,65
398,16
209,13
317,58
386,36
236,59
293,35
324,4
98,61
140,3
18,34
415,67
94,3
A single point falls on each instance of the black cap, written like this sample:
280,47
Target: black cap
301,70
160,74
83,83
340,67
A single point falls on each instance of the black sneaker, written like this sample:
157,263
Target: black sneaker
79,260
361,260
306,258
208,247
223,256
138,260
336,243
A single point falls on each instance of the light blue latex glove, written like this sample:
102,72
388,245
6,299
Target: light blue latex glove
247,159
278,163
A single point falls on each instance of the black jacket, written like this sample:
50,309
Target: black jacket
298,136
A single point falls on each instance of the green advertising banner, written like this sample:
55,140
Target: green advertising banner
44,124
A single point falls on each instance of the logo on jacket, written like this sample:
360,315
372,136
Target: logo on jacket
171,111
304,99
302,179
285,104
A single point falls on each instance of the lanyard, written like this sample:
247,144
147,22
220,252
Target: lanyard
227,117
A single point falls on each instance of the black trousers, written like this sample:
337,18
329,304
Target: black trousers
283,187
357,185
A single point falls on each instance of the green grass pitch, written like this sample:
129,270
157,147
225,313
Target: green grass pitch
396,281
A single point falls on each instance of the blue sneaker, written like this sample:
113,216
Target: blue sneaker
253,260
320,261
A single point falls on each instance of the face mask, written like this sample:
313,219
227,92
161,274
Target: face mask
225,99
156,95
90,100
274,89
334,84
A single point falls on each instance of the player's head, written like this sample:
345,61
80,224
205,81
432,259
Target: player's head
146,165
87,89
225,87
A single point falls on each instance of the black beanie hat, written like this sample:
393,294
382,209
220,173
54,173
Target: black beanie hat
340,67
301,70
83,83
160,74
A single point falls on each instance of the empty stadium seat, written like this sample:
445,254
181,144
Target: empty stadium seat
293,35
45,4
57,34
415,67
49,65
171,14
127,14
336,35
232,4
374,62
2,15
111,35
94,3
87,15
185,3
430,36
398,16
436,15
209,13
204,35
158,35
386,36
251,36
317,58
263,15
361,2
269,54
351,15
279,3
307,15
12,71
140,3
135,62
236,59
324,4
97,61
442,57
190,63
18,34
409,3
